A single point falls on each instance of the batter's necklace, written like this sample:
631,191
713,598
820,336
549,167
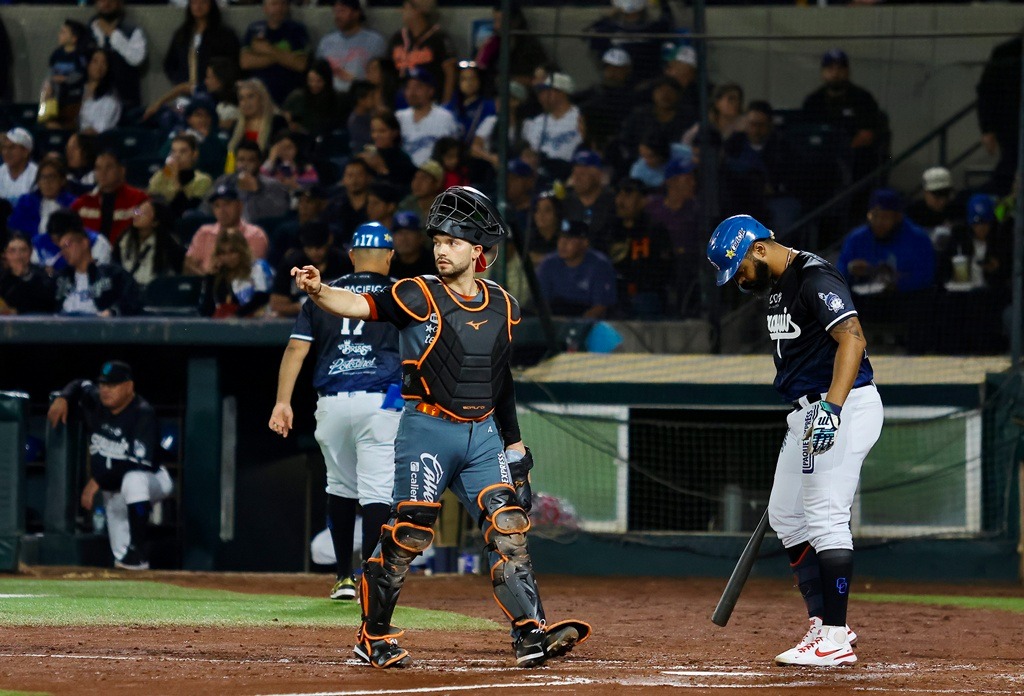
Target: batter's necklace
789,256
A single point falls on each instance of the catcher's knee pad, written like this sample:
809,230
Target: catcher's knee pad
505,525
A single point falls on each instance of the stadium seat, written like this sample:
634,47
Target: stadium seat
185,227
270,224
24,114
138,142
50,140
335,144
173,295
140,169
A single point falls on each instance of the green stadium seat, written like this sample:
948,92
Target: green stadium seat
173,295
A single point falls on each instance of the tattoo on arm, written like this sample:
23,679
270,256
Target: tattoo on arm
850,326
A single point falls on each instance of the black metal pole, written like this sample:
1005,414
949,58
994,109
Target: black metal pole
1018,233
708,173
500,273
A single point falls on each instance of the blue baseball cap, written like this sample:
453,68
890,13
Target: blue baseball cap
372,235
421,75
886,199
980,208
730,242
406,220
678,167
518,167
587,158
835,56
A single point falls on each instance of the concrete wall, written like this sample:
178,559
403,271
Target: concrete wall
918,81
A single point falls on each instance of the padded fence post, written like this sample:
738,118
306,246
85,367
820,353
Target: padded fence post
62,447
13,430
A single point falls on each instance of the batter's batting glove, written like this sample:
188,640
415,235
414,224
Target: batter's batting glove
821,433
520,470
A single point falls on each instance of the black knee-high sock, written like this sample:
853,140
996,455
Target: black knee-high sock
374,517
138,524
806,571
836,573
341,517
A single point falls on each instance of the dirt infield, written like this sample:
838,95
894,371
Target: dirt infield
650,635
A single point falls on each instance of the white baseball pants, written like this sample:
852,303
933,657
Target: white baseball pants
136,487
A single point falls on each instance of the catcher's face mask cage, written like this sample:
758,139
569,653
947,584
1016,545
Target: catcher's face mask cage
465,213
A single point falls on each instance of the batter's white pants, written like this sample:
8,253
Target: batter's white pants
136,487
812,494
357,439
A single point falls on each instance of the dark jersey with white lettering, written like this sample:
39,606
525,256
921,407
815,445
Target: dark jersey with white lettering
808,300
352,355
118,443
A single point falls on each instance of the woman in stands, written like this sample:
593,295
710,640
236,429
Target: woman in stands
202,36
470,105
32,211
386,156
147,249
258,118
239,285
382,73
725,118
220,80
548,216
316,108
80,155
287,164
101,107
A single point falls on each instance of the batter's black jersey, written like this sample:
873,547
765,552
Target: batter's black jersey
118,443
352,355
806,302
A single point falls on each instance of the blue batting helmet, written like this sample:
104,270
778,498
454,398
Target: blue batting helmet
730,242
372,235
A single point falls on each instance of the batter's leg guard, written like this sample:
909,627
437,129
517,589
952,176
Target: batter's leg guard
406,535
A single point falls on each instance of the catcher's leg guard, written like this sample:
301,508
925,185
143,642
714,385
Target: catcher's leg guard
504,526
406,535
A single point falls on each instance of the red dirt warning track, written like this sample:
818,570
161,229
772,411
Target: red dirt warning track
650,636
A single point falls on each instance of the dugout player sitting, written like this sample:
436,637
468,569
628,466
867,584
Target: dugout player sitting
123,435
458,430
357,378
822,368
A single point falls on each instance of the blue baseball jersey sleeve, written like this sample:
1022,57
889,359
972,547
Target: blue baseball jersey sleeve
809,300
352,355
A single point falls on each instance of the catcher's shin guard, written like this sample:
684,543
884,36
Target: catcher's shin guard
406,535
504,526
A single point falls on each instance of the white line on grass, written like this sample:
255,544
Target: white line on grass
21,596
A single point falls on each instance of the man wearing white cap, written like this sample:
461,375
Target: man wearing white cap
18,173
607,104
935,208
555,134
635,17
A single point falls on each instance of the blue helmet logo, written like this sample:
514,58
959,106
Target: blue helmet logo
730,242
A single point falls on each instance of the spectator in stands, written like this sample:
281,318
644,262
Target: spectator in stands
423,122
6,64
677,212
935,212
682,68
127,48
634,17
287,165
351,47
422,43
84,286
382,201
526,53
554,135
32,211
520,185
655,154
46,244
363,97
201,119
724,118
258,119
998,111
147,249
109,208
18,172
450,153
178,181
426,184
316,108
485,144
237,284
384,155
25,288
346,209
663,115
411,257
101,105
607,104
221,78
575,280
312,201
261,196
80,155
469,105
227,209
382,74
317,250
589,199
889,253
275,51
67,74
202,36
849,107
548,220
640,252
980,254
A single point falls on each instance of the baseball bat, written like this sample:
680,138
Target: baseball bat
740,573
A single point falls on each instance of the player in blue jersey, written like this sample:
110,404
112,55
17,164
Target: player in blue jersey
357,378
822,368
459,428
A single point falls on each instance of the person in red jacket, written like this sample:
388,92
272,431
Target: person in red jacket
109,208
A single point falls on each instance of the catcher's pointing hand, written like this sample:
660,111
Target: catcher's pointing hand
307,279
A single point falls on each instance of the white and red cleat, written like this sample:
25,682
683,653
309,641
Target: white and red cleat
821,646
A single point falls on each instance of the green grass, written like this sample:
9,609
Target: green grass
23,693
1015,604
121,602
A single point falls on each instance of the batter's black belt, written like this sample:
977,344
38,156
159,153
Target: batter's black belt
354,391
810,398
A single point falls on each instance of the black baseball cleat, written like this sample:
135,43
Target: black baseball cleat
529,648
382,653
132,560
561,637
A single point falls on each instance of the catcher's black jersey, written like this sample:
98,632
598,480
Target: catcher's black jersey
806,302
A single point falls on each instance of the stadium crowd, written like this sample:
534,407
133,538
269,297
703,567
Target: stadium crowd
269,151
